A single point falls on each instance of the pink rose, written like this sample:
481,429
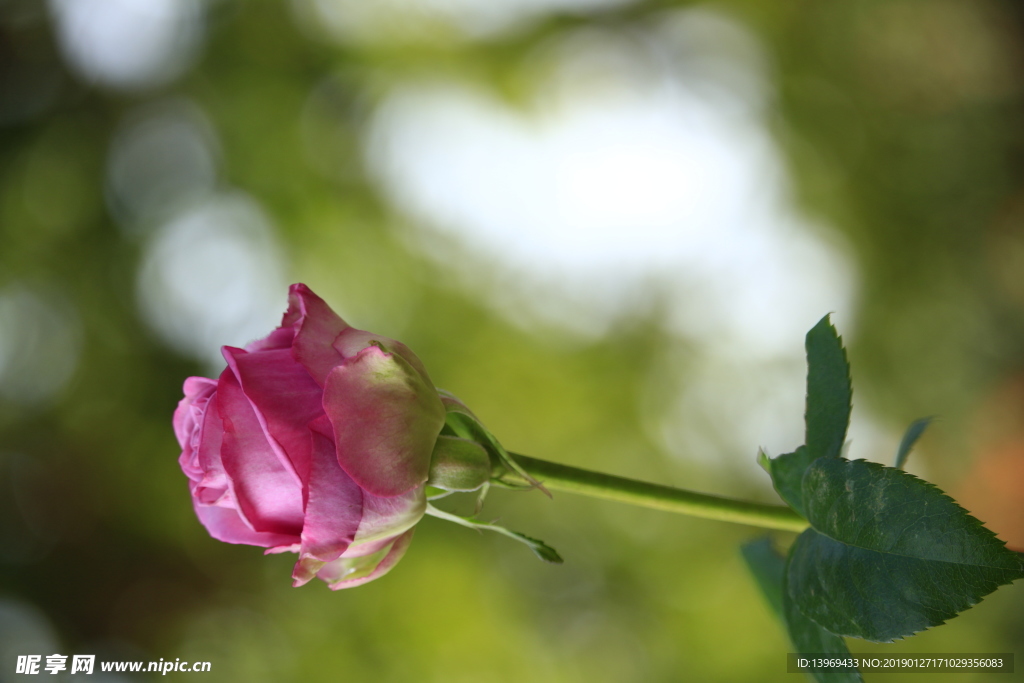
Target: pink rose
315,440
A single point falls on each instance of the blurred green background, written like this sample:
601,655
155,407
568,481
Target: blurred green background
606,225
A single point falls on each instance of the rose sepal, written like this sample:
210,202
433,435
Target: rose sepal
461,422
541,549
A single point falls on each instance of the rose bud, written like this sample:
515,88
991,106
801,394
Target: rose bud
318,439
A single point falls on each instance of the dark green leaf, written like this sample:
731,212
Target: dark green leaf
809,638
827,413
913,433
829,391
769,569
888,554
787,473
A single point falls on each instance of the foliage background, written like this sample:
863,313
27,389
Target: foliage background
125,264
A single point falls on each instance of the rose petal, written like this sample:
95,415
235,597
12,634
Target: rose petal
188,414
387,517
225,524
369,548
386,419
335,505
201,462
351,341
334,573
189,419
305,570
268,492
279,549
316,328
281,338
285,399
355,561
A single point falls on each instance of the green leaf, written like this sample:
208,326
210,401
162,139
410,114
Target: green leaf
829,391
769,570
539,548
809,638
827,413
787,472
913,433
888,554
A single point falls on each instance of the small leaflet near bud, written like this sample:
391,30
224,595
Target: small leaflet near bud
539,548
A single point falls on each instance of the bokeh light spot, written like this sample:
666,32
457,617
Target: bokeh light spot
40,340
213,275
129,44
164,155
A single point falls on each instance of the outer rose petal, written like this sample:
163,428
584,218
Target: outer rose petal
342,520
365,568
335,505
281,338
213,487
200,459
268,493
284,397
225,524
188,423
186,420
350,342
386,418
316,328
385,518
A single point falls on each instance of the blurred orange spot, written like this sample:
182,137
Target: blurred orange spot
993,489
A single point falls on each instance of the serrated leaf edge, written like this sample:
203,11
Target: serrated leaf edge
972,520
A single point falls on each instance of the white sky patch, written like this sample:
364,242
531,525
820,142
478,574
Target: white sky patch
629,182
213,275
611,179
641,169
129,44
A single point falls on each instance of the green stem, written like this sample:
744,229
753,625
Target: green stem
597,485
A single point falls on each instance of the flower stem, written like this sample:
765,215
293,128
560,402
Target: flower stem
597,485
